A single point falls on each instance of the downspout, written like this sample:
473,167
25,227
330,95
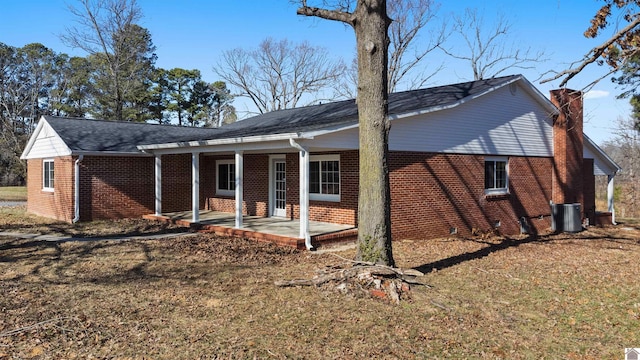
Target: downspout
76,189
610,198
304,193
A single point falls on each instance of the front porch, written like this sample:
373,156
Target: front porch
281,231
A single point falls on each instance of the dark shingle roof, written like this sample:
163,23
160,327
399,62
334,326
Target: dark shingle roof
89,135
101,135
323,116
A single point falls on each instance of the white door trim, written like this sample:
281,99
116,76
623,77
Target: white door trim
273,211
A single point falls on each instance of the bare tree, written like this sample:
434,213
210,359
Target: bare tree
628,138
625,150
370,22
408,47
346,88
107,31
279,75
486,50
617,49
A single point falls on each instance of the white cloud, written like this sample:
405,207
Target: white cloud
594,94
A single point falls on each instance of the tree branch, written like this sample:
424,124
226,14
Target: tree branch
594,54
334,15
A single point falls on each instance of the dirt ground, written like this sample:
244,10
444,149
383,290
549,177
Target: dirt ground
570,296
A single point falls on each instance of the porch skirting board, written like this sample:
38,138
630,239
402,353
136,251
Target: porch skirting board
318,241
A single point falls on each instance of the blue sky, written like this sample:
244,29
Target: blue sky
192,34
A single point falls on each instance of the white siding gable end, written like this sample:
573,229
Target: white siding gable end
602,163
506,121
45,143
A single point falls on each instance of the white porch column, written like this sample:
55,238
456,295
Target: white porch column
158,183
195,187
304,193
239,187
304,198
610,189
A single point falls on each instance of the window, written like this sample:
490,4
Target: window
226,184
324,178
47,175
496,179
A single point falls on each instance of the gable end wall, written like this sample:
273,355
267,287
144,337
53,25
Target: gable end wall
59,203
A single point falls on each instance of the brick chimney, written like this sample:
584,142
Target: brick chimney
568,143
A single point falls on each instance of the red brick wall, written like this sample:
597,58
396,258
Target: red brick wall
256,189
256,176
176,182
567,147
343,212
256,185
116,187
59,203
433,193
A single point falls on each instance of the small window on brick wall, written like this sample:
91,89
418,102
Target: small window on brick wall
47,174
324,177
226,179
496,176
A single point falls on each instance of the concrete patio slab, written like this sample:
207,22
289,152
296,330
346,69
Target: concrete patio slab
281,231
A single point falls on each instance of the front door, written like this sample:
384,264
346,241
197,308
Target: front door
279,188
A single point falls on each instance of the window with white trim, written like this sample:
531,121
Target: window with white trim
496,176
226,177
47,174
324,177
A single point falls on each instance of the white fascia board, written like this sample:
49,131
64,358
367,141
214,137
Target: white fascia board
603,155
97,153
226,141
110,153
32,139
280,145
34,136
29,157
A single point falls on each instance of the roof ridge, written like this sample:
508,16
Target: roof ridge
460,83
122,122
396,93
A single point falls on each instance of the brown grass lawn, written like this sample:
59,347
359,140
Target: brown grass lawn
13,193
567,296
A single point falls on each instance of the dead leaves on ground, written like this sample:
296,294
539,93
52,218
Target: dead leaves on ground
191,296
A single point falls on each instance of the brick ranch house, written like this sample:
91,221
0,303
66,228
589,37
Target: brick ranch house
464,157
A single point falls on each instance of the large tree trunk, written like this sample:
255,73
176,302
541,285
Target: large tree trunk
374,202
371,24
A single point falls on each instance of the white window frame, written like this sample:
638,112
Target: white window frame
48,186
502,190
320,196
225,192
